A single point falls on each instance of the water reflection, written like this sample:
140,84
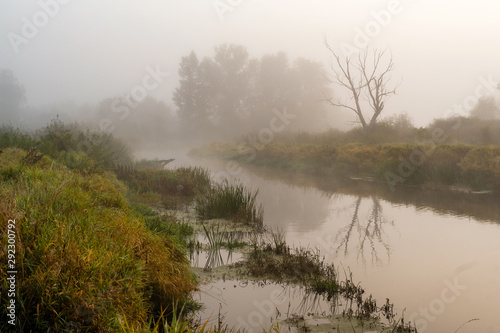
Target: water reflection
460,203
214,258
265,303
427,234
368,232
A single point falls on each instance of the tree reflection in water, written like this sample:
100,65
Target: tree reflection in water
368,230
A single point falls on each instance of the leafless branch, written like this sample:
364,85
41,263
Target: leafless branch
367,77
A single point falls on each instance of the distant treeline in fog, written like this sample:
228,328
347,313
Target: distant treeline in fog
232,94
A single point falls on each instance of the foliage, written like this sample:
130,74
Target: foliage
230,91
85,260
139,123
445,164
75,147
486,109
14,137
472,131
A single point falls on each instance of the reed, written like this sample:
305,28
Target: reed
230,201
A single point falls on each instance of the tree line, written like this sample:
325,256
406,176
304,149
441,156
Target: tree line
232,91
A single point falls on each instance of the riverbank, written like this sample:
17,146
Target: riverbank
83,258
464,168
87,225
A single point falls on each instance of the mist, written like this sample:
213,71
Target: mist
347,148
80,60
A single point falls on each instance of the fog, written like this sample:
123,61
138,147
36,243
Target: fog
70,56
385,117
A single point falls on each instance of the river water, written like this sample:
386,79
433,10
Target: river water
435,255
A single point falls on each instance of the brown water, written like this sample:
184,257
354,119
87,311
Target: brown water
435,255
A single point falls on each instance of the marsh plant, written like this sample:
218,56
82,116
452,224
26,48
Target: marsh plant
272,258
231,201
218,238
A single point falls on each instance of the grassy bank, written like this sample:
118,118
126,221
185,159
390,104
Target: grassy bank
474,167
85,260
91,254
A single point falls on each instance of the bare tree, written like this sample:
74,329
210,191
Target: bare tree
365,78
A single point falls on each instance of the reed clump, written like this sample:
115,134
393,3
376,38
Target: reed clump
231,201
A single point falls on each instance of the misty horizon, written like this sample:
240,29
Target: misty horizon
83,53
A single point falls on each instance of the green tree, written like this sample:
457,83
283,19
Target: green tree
270,82
232,92
213,93
299,87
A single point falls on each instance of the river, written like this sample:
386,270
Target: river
435,255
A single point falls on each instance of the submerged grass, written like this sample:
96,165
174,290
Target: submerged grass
230,201
272,258
218,238
85,259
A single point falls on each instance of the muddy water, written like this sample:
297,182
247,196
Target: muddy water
436,256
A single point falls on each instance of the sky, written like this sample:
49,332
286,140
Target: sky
445,51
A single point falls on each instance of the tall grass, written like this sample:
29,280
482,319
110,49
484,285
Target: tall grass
230,201
170,187
85,260
164,225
